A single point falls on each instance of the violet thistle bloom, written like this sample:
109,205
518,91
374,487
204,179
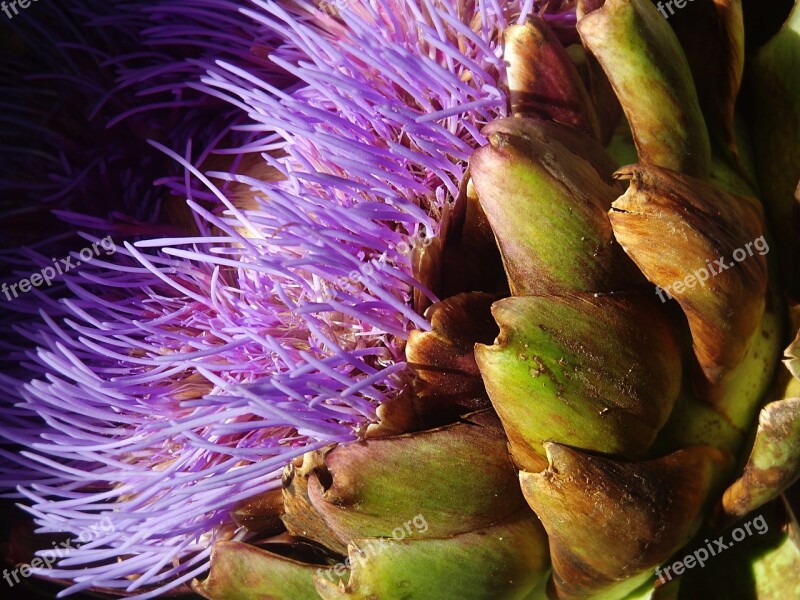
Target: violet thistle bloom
183,373
85,85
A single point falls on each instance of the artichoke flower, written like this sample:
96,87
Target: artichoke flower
478,300
638,337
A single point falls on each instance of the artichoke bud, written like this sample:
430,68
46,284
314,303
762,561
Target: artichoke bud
506,560
704,247
458,477
242,571
598,372
647,68
405,515
448,382
543,82
610,523
545,190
